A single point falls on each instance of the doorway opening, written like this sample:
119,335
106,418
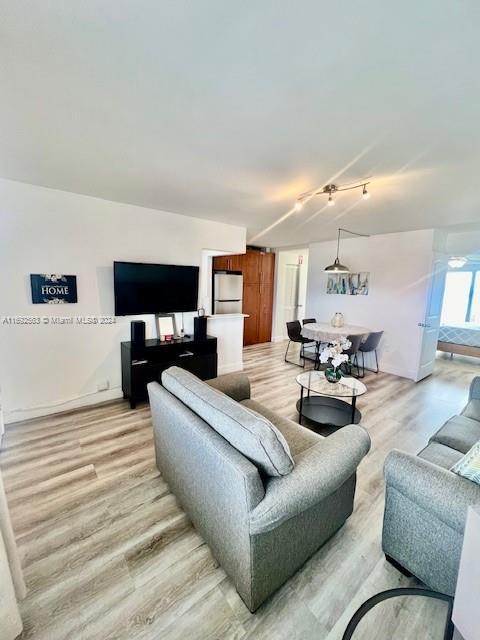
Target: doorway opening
290,289
460,320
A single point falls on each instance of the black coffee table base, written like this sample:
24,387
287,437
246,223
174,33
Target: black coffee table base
328,411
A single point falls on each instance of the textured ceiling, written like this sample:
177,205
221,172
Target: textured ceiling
228,110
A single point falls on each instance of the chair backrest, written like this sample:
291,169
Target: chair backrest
372,342
294,330
356,340
308,320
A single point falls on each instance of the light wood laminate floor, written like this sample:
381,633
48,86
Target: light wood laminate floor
108,553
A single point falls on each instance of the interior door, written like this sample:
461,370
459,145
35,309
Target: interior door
291,292
430,326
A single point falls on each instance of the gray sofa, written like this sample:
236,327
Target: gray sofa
260,527
426,503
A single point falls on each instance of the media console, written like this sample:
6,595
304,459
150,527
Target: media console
142,364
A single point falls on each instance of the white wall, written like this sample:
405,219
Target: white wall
48,231
283,258
399,266
464,243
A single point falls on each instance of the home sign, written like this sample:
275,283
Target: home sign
53,288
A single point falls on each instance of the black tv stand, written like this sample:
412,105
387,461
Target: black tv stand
142,364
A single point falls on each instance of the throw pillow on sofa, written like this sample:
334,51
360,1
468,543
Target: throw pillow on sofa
246,430
469,466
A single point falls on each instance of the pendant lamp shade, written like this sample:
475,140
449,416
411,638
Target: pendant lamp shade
337,266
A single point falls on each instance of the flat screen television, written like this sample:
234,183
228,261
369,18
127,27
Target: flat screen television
141,288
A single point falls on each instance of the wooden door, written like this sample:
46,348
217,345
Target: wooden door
267,267
251,306
251,267
265,316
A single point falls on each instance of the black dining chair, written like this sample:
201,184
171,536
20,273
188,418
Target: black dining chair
309,354
352,352
370,345
294,330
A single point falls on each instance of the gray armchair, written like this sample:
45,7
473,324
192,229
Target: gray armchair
426,503
260,528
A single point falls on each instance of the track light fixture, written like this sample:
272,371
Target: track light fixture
330,189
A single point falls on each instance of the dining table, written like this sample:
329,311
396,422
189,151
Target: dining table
325,333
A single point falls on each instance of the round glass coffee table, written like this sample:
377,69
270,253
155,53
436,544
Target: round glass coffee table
322,403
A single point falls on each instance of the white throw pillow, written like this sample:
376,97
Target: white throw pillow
469,466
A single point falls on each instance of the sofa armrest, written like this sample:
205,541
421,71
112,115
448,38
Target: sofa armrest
474,393
234,385
318,472
436,490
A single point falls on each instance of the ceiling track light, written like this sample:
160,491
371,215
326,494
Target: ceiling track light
330,189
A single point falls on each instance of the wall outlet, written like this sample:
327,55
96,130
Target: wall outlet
103,385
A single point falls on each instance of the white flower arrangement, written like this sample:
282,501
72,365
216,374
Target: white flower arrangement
334,352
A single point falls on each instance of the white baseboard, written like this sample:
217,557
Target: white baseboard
17,415
230,368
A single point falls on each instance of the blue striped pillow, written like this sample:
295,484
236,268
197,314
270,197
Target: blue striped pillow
469,465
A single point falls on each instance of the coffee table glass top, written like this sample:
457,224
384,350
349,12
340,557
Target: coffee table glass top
316,382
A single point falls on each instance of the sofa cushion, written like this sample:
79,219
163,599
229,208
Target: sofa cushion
298,438
469,465
440,455
472,410
459,433
249,432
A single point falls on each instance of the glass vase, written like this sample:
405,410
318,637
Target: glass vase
332,375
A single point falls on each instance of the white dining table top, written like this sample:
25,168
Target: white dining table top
324,332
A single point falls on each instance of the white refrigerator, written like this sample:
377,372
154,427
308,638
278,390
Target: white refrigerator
227,292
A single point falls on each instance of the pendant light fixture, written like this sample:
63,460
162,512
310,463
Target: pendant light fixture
337,266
